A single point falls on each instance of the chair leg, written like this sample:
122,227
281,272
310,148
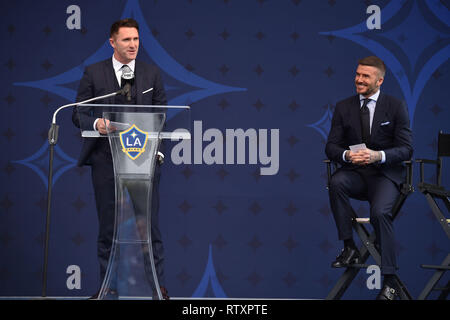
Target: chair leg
346,278
434,280
445,292
368,242
438,213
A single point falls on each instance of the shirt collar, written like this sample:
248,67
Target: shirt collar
117,65
373,97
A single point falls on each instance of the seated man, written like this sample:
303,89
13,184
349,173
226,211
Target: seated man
375,171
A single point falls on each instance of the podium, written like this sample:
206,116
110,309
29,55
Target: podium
135,134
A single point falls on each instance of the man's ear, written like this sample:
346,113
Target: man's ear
380,81
111,42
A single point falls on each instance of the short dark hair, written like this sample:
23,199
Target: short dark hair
374,61
128,22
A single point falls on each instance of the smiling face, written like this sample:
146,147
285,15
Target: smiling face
126,44
368,80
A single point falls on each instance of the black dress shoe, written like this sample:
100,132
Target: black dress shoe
347,257
387,293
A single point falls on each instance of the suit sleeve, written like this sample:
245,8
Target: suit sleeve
85,91
159,94
336,145
401,148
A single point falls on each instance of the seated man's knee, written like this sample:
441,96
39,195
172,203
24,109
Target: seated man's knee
338,181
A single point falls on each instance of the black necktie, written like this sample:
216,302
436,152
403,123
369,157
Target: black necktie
365,122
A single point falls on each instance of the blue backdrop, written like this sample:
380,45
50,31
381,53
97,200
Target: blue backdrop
255,64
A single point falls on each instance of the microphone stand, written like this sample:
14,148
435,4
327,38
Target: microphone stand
52,140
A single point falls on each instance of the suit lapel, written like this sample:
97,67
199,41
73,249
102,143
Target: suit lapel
378,117
355,117
139,77
111,83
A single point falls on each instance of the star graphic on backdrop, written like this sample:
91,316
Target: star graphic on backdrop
8,134
255,243
289,279
223,104
42,203
77,239
220,207
258,70
258,104
220,242
184,241
47,30
254,278
183,276
40,239
257,174
224,35
260,35
290,244
11,29
10,64
185,206
325,281
9,168
325,246
189,34
292,175
224,69
189,67
10,99
290,209
38,162
78,204
292,140
324,124
187,172
433,250
294,105
46,65
325,211
329,72
255,208
436,109
6,203
46,100
294,71
222,173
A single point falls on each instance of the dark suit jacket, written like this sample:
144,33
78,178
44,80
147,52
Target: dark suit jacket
390,132
99,79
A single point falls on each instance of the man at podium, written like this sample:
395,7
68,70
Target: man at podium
102,78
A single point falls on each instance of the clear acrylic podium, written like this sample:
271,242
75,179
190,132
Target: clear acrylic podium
135,133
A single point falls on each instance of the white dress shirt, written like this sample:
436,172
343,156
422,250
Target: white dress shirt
371,106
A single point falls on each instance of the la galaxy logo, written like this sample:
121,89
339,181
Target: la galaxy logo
133,141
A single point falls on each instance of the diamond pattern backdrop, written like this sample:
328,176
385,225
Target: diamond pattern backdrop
261,64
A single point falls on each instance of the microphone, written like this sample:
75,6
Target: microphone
127,80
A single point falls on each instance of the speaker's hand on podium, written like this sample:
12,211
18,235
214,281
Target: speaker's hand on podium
102,126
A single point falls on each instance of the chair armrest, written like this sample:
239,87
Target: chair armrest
407,187
436,162
427,161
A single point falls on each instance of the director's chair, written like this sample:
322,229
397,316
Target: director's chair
433,192
367,238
